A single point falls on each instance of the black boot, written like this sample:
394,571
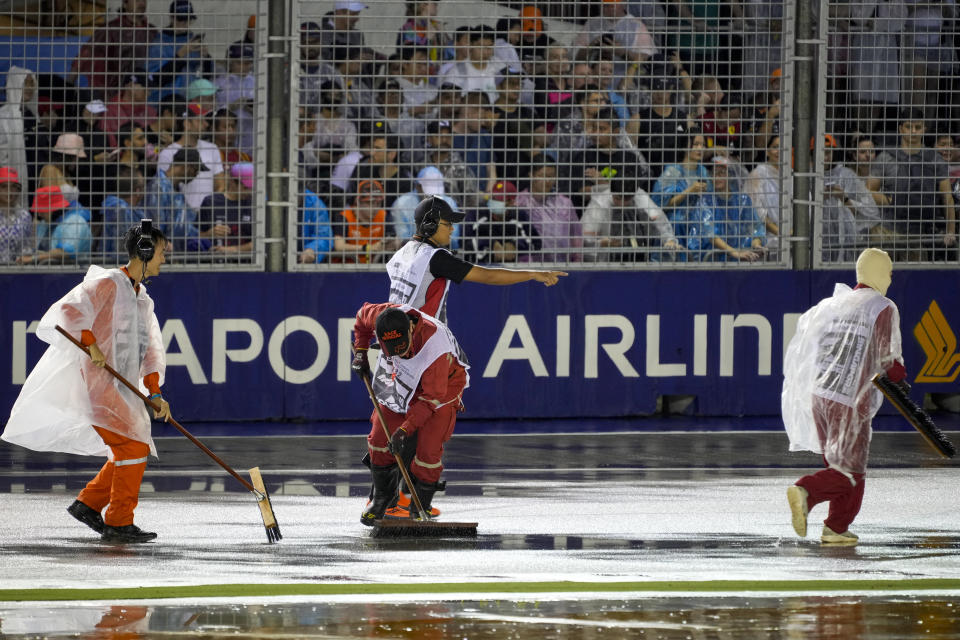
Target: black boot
127,533
425,491
385,482
87,515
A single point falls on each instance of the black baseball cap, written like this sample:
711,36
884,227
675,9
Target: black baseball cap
393,331
442,207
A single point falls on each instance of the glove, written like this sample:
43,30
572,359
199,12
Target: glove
360,364
396,441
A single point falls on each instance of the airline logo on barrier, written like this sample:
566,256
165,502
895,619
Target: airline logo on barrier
939,344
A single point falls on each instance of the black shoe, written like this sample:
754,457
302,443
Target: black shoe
128,533
86,515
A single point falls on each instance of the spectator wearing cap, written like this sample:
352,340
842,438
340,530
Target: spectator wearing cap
194,126
177,54
315,237
479,72
502,233
679,188
95,141
237,91
63,166
203,92
311,48
121,210
617,31
422,31
339,28
107,59
459,181
226,215
552,214
128,105
62,228
361,233
15,114
724,226
621,223
166,206
661,127
534,40
429,183
16,225
237,88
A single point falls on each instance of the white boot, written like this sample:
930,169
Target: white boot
797,497
831,537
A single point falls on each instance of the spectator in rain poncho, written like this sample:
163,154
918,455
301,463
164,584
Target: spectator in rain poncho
724,225
828,398
403,210
21,92
680,187
763,187
120,211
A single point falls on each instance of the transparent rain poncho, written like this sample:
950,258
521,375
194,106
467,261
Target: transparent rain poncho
828,368
66,394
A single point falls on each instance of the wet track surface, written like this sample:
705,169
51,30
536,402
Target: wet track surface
689,532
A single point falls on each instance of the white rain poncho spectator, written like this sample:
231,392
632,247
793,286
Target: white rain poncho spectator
21,92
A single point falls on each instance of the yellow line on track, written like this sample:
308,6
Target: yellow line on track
519,588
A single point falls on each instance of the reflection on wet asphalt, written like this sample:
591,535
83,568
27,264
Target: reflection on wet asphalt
621,507
667,618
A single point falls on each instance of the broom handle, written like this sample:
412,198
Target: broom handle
155,407
403,467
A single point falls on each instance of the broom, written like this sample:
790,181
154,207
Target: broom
258,489
423,525
916,416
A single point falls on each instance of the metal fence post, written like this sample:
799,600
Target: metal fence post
803,117
277,138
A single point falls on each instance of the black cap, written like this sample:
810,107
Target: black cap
393,331
442,207
240,51
433,127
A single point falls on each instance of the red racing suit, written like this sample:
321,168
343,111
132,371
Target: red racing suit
432,412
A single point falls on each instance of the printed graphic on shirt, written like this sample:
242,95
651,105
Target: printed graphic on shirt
939,344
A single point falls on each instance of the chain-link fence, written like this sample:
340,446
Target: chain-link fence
888,153
587,134
120,111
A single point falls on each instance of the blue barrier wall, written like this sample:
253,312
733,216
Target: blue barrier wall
277,346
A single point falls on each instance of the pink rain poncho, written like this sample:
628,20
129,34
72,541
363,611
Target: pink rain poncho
66,393
828,399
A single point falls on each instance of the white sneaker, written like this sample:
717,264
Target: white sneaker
797,497
831,537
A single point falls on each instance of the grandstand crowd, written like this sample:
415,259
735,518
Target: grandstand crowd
644,131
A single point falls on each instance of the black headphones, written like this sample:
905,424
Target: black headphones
145,248
431,220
